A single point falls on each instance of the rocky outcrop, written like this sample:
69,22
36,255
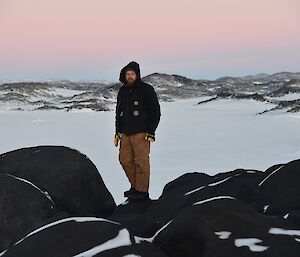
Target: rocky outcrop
241,212
43,183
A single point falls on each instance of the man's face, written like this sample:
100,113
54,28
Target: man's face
130,77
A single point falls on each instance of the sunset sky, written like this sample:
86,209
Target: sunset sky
94,39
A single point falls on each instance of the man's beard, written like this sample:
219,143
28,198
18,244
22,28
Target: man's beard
131,81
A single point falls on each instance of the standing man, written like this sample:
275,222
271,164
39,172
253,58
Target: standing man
137,117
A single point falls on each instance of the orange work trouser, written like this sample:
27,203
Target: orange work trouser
134,158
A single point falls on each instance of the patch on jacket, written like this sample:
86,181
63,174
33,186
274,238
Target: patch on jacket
136,113
136,102
121,114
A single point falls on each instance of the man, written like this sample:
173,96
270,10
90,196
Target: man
137,117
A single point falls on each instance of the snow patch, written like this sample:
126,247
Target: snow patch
211,184
251,243
270,175
214,198
287,97
223,234
222,181
150,239
282,231
76,219
194,190
265,208
122,239
45,193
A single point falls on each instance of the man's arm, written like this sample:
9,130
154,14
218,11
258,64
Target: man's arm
117,118
153,108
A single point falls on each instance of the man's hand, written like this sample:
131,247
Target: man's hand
117,138
150,137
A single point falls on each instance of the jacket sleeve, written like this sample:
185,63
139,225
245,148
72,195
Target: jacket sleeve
117,116
153,109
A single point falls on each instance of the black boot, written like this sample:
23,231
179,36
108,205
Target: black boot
129,192
138,196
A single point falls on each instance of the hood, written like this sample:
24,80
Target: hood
134,65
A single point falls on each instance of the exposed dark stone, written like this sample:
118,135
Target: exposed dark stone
214,228
279,190
69,177
23,208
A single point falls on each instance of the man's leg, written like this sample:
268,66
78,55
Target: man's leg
126,159
141,149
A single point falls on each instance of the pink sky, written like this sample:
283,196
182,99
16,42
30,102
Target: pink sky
94,39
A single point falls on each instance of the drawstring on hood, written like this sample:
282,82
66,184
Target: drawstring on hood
130,66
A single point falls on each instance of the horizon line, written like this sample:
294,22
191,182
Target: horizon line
117,81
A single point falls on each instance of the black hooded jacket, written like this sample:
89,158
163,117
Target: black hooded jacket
137,108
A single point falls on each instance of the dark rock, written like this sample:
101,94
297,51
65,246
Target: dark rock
183,192
128,211
23,208
294,217
192,187
143,249
81,236
279,190
68,237
68,176
220,226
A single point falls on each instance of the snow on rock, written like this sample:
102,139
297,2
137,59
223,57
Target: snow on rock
150,239
213,199
278,191
251,243
23,207
122,239
223,234
282,231
223,228
269,175
212,184
81,236
45,193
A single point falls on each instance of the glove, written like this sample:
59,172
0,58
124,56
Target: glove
118,136
150,137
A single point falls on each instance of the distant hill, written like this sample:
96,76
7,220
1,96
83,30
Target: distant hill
282,88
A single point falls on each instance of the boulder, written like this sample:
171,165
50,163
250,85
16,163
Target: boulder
224,226
278,191
81,236
23,208
66,175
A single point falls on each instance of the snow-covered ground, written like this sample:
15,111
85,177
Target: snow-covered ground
213,137
286,97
